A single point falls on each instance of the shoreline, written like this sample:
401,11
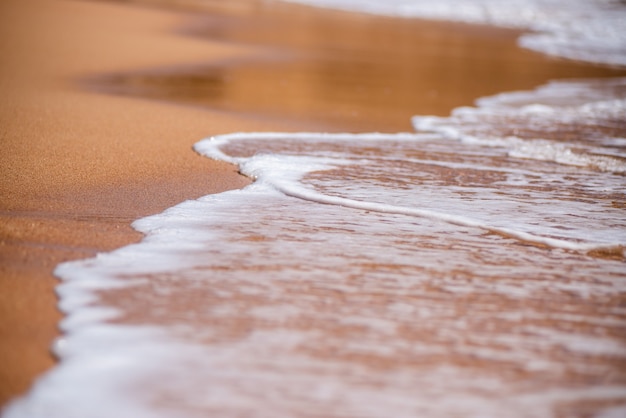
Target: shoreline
334,81
80,166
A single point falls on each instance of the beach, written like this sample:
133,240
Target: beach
79,167
100,112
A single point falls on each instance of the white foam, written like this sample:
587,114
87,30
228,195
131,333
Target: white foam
285,173
102,374
291,276
562,154
550,108
587,30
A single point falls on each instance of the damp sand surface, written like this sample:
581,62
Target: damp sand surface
344,71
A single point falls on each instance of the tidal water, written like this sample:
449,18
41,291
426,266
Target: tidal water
474,267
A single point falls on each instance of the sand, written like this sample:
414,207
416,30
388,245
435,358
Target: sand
78,167
84,153
344,71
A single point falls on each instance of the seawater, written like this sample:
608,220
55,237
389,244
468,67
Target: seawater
472,268
587,30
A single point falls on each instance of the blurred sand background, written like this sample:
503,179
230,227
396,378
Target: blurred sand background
101,103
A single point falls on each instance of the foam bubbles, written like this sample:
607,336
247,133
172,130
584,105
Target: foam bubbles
576,123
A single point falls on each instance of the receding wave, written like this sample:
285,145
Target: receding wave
430,264
499,195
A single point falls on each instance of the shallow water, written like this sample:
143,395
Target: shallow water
474,268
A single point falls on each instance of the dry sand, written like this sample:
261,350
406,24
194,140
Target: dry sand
78,166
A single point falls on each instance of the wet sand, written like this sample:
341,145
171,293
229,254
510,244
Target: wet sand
344,71
84,153
77,167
